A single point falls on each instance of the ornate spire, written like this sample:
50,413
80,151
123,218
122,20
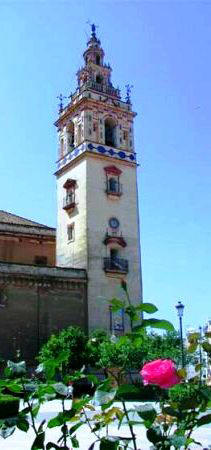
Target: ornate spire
94,53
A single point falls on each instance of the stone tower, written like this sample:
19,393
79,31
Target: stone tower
98,219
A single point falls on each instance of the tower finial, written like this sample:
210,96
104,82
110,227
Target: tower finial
93,29
61,98
128,92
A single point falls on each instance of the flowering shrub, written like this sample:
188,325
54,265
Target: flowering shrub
161,372
169,426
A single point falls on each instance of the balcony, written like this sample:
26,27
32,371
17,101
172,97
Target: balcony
114,189
117,265
69,202
99,87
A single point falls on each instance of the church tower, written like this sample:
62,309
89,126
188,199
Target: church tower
98,219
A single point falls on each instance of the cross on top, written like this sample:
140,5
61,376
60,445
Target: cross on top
61,98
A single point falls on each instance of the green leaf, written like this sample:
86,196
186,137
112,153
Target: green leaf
23,424
61,418
116,304
108,444
75,427
146,412
52,445
74,442
204,420
35,410
15,387
38,443
93,379
155,323
154,435
102,397
147,307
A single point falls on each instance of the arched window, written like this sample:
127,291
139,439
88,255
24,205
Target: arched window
110,132
98,60
71,135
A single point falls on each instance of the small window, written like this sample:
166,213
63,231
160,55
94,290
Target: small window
41,260
101,135
101,121
90,117
90,131
98,60
94,127
120,127
71,232
120,140
89,95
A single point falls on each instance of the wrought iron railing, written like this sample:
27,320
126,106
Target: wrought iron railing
115,264
69,201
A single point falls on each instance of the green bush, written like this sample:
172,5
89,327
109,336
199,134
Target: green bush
96,338
186,395
115,354
71,340
9,406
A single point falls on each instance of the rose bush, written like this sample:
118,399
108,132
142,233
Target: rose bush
161,372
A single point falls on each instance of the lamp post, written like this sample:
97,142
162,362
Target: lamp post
180,310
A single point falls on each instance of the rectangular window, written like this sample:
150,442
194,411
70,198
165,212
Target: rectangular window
90,131
90,117
71,232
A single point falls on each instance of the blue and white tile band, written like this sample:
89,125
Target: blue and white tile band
98,149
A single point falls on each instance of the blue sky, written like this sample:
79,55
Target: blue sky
163,49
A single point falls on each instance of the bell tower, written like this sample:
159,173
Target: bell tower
97,198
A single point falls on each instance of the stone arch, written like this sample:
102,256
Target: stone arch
110,131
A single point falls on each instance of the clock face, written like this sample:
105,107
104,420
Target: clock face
113,222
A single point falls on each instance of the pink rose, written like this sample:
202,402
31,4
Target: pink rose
161,372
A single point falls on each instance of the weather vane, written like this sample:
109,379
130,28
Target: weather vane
93,28
128,92
61,98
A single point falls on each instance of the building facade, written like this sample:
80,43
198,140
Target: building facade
98,218
36,298
25,241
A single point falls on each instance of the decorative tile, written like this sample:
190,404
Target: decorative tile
100,149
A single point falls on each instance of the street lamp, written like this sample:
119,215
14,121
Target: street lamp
180,309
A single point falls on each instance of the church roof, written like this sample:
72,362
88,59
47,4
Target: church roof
12,222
